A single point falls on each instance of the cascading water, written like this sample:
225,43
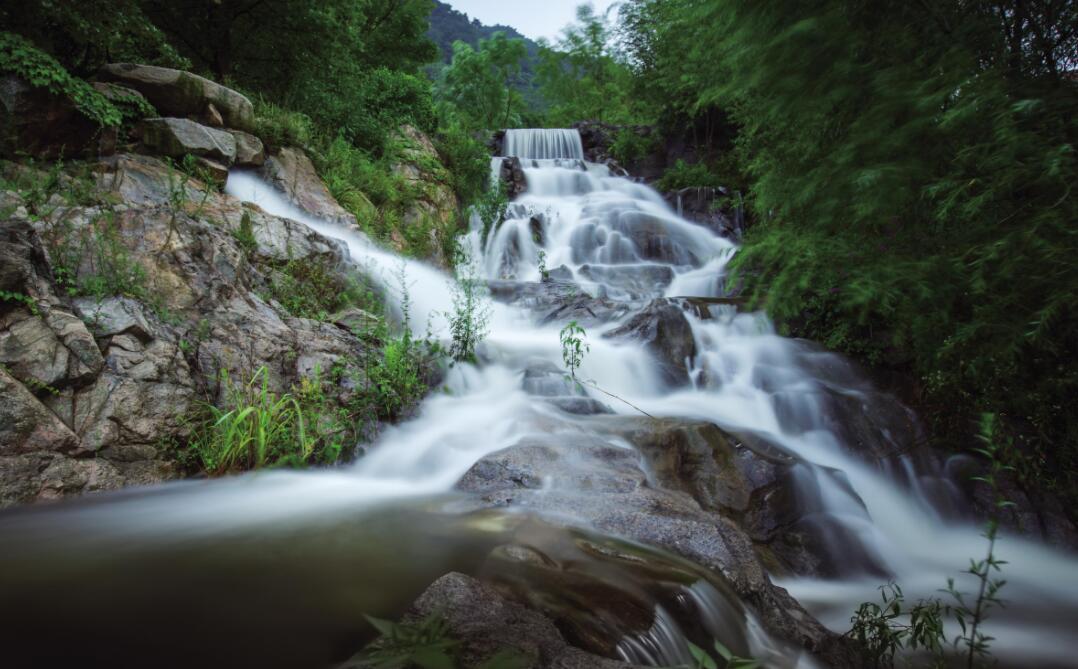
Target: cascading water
621,244
544,144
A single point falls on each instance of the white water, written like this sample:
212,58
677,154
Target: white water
619,239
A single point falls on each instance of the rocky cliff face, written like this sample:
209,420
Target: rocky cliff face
124,311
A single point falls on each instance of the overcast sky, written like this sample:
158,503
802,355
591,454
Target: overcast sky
534,18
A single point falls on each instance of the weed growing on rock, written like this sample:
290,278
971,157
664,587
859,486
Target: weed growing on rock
470,321
256,428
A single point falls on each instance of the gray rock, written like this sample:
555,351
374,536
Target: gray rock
249,149
177,137
665,332
630,281
115,315
485,623
292,173
179,93
26,425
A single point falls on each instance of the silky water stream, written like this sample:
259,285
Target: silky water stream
277,569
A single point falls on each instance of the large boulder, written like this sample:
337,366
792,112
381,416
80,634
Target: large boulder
179,93
177,137
665,332
651,495
292,172
40,123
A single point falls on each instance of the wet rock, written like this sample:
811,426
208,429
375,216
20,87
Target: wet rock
710,208
560,273
558,302
249,149
512,175
177,137
178,93
485,623
291,172
665,332
580,406
594,480
630,281
39,123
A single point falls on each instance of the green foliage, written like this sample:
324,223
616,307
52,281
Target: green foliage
573,347
911,174
313,287
466,159
278,127
684,175
470,320
256,428
425,643
886,628
630,146
481,83
245,235
491,208
94,260
585,76
18,56
705,661
22,298
544,274
86,34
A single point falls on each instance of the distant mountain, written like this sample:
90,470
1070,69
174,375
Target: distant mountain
448,25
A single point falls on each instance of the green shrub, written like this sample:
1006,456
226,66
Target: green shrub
314,288
278,127
467,160
629,146
686,175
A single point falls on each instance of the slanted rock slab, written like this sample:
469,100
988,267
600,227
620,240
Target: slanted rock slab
177,137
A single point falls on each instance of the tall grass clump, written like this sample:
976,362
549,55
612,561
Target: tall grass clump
256,428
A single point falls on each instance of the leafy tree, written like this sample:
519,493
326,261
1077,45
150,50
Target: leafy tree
86,34
911,168
583,76
481,83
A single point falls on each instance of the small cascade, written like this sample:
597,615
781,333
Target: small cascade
543,144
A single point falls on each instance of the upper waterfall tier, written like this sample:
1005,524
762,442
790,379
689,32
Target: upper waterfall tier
543,143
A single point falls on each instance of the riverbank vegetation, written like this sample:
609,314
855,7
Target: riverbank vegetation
909,169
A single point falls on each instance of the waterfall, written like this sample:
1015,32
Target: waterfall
544,144
620,245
